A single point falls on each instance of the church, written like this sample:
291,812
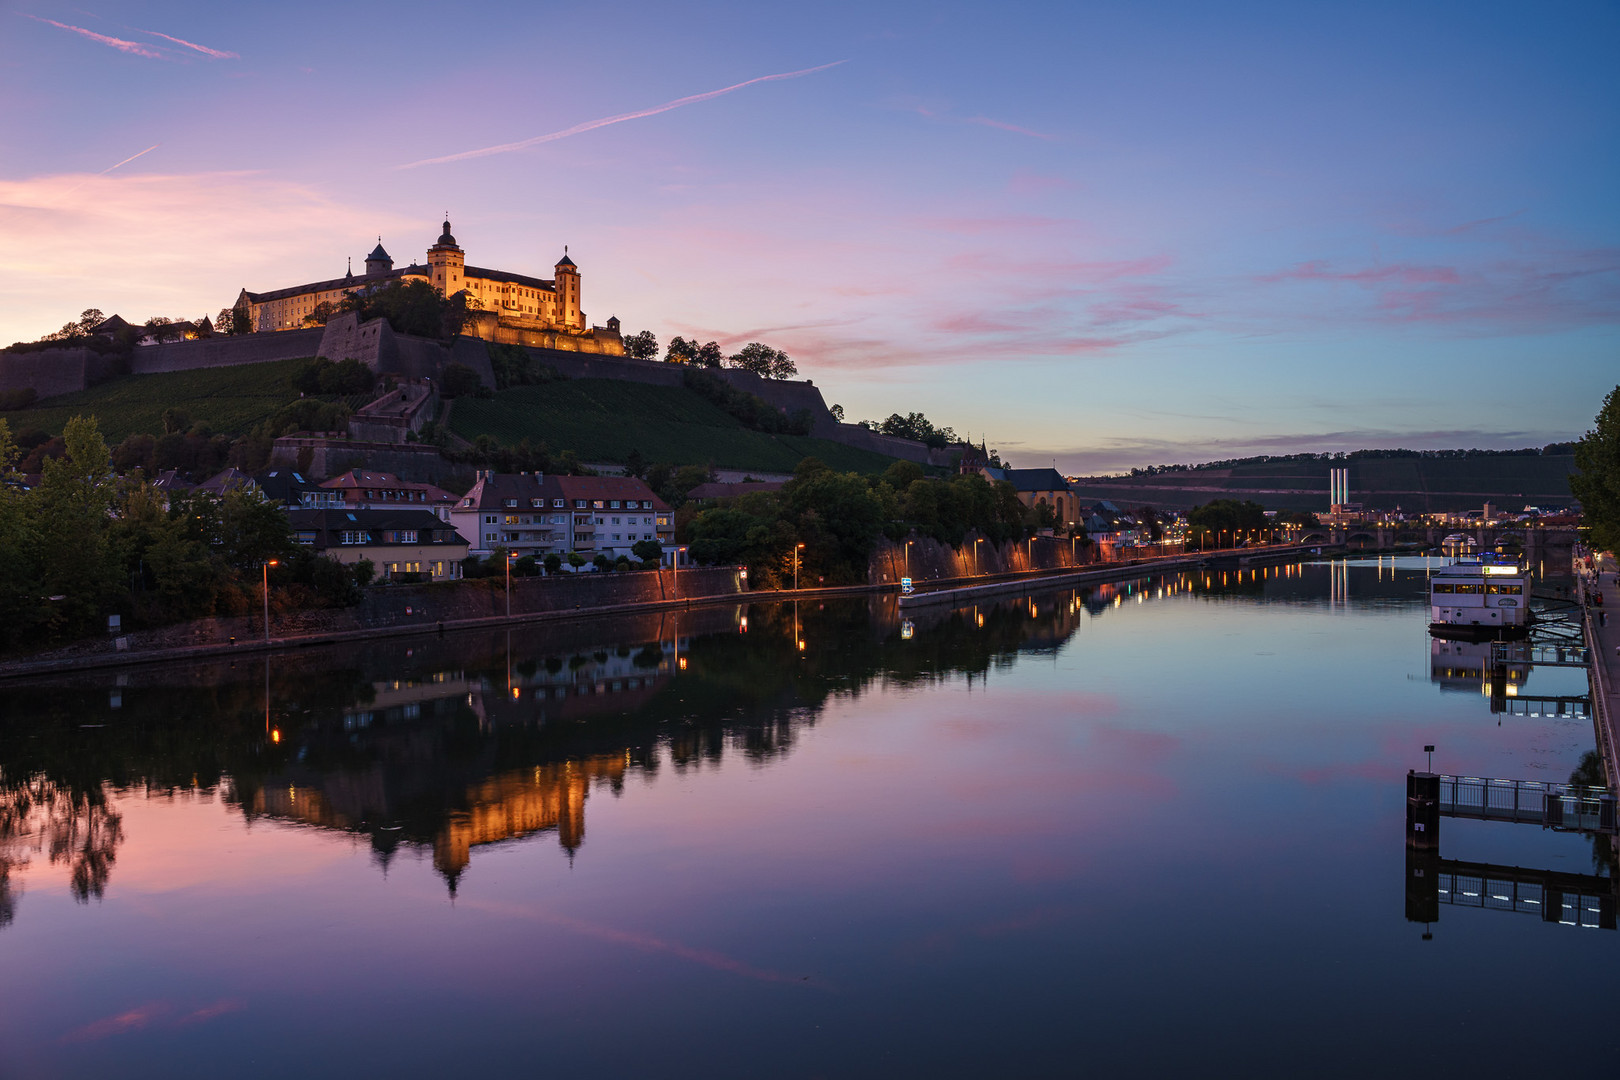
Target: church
507,308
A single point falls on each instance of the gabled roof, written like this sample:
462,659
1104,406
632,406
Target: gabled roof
329,524
608,487
228,479
493,489
1037,479
516,279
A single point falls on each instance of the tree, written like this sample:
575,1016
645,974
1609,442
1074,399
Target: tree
642,346
764,361
837,412
917,427
681,351
647,550
162,328
413,307
1227,516
634,464
459,380
553,563
1597,485
322,313
576,560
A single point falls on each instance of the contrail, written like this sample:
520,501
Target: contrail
218,54
129,159
592,125
118,43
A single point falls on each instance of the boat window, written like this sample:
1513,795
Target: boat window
1474,590
1444,587
1505,590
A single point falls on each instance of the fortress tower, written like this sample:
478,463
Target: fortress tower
567,285
447,263
379,261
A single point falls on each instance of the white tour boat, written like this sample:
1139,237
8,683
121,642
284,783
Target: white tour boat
1482,595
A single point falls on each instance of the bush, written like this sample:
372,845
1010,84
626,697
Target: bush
459,380
11,400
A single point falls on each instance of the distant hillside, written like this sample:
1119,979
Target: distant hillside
604,419
1411,483
230,400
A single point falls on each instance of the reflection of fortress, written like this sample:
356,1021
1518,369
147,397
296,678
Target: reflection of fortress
408,792
507,806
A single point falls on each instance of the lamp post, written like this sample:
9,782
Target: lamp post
266,567
908,557
796,549
508,584
976,556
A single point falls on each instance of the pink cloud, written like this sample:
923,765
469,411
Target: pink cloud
218,54
116,43
985,121
1404,273
1028,183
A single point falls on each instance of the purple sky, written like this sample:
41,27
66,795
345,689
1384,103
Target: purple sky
1101,235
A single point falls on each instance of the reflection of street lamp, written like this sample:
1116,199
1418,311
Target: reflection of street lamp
266,568
796,549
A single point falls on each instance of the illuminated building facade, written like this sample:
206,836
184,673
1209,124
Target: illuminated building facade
509,308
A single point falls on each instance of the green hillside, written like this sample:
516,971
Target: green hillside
604,419
230,400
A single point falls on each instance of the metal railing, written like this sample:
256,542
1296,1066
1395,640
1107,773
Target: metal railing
1529,802
1529,893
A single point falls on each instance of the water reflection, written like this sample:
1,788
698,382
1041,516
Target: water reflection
443,746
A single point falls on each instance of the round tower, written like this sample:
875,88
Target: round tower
379,261
447,263
566,283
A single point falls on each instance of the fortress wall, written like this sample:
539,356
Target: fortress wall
55,371
225,351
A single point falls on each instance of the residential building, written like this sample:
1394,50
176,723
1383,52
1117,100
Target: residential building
397,542
362,489
294,491
532,514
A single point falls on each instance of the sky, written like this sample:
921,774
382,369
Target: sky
1094,235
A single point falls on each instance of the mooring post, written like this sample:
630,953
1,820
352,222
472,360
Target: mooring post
1422,811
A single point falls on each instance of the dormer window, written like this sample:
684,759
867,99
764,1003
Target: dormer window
511,502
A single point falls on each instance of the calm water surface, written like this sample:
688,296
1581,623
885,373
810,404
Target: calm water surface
1143,830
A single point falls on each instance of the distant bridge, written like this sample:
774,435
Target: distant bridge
1530,539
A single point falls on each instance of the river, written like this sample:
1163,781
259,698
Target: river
1146,829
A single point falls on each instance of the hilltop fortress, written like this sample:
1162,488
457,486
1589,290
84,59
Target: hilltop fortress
512,309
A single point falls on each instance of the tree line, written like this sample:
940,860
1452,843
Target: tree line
85,543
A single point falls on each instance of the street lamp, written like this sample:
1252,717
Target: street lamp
796,549
266,568
908,556
509,557
976,544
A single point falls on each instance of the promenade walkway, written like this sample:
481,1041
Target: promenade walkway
1603,632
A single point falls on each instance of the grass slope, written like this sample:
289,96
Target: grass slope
230,400
604,419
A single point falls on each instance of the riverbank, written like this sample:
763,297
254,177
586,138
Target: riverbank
401,611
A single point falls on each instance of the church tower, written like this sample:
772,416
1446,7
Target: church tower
567,285
447,263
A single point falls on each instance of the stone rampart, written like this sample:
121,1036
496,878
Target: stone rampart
56,371
224,351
